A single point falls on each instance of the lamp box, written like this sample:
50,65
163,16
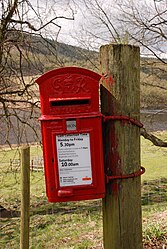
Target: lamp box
71,125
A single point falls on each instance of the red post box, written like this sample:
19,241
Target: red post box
72,134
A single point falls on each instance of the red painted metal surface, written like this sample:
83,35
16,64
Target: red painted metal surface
72,134
132,175
123,119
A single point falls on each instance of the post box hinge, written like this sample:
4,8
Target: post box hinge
132,175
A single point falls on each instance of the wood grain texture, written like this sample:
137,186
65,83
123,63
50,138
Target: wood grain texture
120,95
25,197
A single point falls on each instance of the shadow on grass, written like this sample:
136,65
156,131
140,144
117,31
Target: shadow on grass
67,208
154,191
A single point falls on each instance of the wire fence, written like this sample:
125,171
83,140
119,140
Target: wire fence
76,224
36,164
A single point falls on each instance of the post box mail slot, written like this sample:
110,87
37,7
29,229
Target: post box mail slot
72,134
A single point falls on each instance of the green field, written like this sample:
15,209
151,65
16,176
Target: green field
154,159
79,224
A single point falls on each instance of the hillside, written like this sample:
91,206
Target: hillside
52,54
44,55
153,83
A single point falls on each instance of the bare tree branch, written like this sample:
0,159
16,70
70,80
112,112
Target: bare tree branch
155,140
24,52
30,26
150,49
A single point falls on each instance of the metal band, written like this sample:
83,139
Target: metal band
132,175
123,118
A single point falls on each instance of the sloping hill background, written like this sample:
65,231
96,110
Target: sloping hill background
44,55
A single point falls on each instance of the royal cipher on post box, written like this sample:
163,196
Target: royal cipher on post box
72,134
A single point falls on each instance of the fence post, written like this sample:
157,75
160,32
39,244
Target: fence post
11,164
32,165
120,95
25,197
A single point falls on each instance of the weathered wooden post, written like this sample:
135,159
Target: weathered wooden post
120,95
25,197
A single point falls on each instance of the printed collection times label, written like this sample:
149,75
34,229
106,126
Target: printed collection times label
74,159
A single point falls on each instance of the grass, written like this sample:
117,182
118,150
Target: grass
78,225
154,159
72,229
154,227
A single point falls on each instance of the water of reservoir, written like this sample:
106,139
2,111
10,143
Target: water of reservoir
16,133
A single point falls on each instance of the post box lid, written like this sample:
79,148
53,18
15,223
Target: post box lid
69,90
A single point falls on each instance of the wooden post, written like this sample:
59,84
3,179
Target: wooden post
120,95
32,165
25,197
